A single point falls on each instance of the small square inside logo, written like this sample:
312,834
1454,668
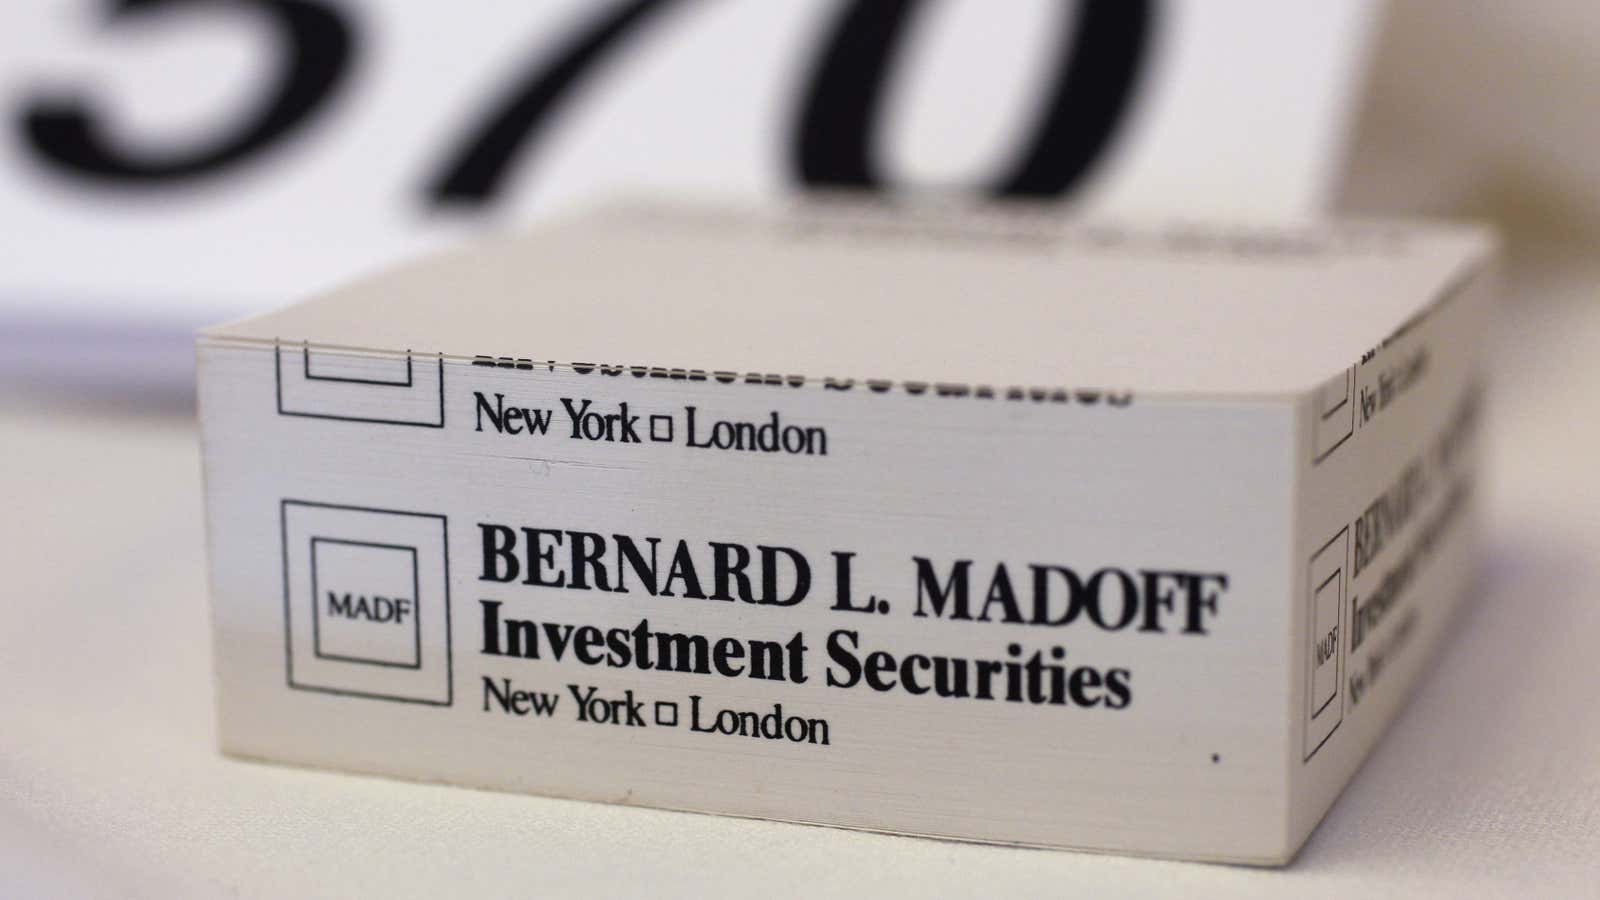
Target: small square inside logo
1325,650
1325,609
365,602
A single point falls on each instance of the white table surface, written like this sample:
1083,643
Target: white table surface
110,783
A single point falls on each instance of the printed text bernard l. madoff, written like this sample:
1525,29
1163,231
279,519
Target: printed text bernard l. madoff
1155,602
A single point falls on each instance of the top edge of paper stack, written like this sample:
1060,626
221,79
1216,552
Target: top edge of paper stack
1008,297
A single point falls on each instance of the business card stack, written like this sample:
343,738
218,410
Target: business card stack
982,525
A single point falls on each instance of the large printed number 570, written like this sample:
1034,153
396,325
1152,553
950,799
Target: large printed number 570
1100,55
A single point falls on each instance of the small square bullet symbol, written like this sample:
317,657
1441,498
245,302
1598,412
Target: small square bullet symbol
667,713
661,428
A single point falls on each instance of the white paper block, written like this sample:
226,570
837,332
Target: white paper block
981,526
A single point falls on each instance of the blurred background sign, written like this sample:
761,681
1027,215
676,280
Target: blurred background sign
166,163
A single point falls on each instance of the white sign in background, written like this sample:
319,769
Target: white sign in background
183,161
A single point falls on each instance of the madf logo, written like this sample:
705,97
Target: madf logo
367,602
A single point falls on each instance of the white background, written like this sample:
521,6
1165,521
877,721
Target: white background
1241,110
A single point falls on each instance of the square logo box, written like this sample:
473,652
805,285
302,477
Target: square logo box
376,388
367,602
1335,409
1325,641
